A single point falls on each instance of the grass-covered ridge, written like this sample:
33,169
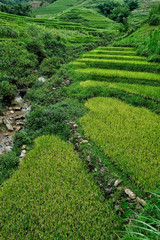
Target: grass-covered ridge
144,90
117,129
120,74
52,196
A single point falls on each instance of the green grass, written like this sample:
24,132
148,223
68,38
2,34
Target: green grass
118,64
128,135
142,90
52,196
108,73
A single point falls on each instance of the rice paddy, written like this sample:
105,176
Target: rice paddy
52,196
128,135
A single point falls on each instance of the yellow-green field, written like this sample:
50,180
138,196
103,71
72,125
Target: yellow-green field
129,135
52,196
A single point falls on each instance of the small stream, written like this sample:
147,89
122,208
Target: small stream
12,121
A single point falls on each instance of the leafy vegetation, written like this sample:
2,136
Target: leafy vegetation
116,127
146,224
55,197
19,9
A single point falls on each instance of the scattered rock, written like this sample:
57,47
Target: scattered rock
130,194
84,141
141,201
19,117
24,147
75,125
23,153
117,182
108,191
67,82
8,124
41,79
16,108
8,149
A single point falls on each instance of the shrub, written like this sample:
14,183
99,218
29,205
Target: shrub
52,196
49,66
16,60
8,163
154,16
7,91
9,32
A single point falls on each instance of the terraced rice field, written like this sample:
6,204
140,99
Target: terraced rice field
52,196
128,135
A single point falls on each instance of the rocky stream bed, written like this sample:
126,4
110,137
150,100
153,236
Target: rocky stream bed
12,121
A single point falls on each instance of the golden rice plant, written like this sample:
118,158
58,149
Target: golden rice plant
52,196
119,74
129,135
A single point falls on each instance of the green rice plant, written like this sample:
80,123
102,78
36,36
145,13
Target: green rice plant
124,64
105,56
116,48
52,196
143,90
111,52
119,74
128,135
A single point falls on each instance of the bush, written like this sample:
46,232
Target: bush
8,163
154,16
49,66
7,91
9,32
16,60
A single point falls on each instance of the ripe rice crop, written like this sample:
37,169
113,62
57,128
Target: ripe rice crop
52,196
120,74
143,90
105,56
122,64
129,135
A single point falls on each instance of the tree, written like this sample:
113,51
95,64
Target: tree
133,4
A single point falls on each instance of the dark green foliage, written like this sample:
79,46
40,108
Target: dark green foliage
154,16
115,11
151,47
133,4
120,14
9,32
7,91
8,163
49,66
16,60
18,9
